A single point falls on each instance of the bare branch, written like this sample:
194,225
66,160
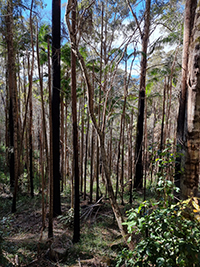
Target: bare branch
135,17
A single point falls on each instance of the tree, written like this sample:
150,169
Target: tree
56,105
13,100
138,180
190,7
76,236
100,129
31,105
190,177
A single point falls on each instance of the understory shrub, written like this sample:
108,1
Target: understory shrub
170,233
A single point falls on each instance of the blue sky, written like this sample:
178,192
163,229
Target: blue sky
48,8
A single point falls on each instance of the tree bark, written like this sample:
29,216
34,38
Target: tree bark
42,104
190,7
50,229
56,105
76,235
138,181
100,132
13,102
190,178
91,166
31,106
86,156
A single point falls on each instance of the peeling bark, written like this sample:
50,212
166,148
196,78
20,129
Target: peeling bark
190,6
190,179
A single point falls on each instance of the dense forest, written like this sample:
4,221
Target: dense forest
100,133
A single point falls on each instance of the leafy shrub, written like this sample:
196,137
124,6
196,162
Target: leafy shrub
170,234
67,218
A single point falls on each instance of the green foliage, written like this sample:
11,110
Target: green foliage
165,161
168,236
68,218
66,54
169,232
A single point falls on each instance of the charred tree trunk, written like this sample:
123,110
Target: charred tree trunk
56,105
138,181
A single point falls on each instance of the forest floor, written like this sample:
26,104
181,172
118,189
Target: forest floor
23,241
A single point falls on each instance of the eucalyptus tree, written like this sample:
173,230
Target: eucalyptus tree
110,65
190,7
13,120
190,177
144,35
156,16
73,38
56,35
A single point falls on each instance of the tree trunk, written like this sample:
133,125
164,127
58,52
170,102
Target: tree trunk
42,104
66,146
50,229
190,178
138,181
56,105
62,139
82,140
130,160
163,118
31,106
86,156
190,7
76,235
91,166
13,102
100,132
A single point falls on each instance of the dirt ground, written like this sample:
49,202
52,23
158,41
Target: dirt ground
23,241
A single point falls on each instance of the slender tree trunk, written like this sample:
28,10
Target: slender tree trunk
42,103
56,6
11,133
31,106
86,155
82,141
111,195
91,166
7,131
31,141
153,149
145,149
76,236
130,165
100,132
62,139
50,229
163,117
42,175
110,150
123,128
66,146
138,183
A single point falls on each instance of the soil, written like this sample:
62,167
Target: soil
24,242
